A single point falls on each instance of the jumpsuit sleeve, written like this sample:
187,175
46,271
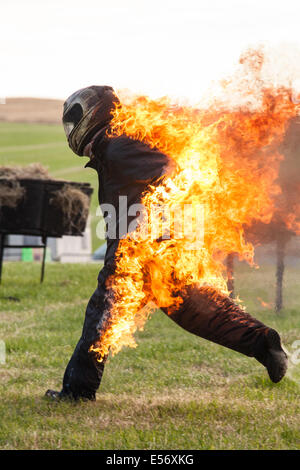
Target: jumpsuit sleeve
136,162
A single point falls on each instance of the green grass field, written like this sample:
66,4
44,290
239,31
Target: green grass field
174,391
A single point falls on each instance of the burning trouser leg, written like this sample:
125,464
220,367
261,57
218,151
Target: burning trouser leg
215,317
84,373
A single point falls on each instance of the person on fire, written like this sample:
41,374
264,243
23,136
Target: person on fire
127,167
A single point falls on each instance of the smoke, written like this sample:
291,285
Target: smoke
260,67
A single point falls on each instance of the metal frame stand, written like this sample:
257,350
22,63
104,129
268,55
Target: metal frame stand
280,253
3,245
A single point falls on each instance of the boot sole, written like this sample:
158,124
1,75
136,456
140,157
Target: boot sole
277,361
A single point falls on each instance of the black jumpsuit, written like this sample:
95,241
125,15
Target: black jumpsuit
125,168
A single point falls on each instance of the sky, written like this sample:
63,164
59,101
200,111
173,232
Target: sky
176,48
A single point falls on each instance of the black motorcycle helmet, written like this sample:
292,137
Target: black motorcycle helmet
87,111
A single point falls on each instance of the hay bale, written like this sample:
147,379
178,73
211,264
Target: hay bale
74,205
32,171
11,193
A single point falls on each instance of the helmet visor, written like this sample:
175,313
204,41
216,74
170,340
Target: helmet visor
68,127
72,117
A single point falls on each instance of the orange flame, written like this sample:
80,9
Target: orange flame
227,162
264,304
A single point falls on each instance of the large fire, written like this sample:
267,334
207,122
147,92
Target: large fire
227,164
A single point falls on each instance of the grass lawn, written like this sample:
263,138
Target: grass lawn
175,391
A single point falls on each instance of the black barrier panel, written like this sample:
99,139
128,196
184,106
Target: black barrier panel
27,216
39,212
